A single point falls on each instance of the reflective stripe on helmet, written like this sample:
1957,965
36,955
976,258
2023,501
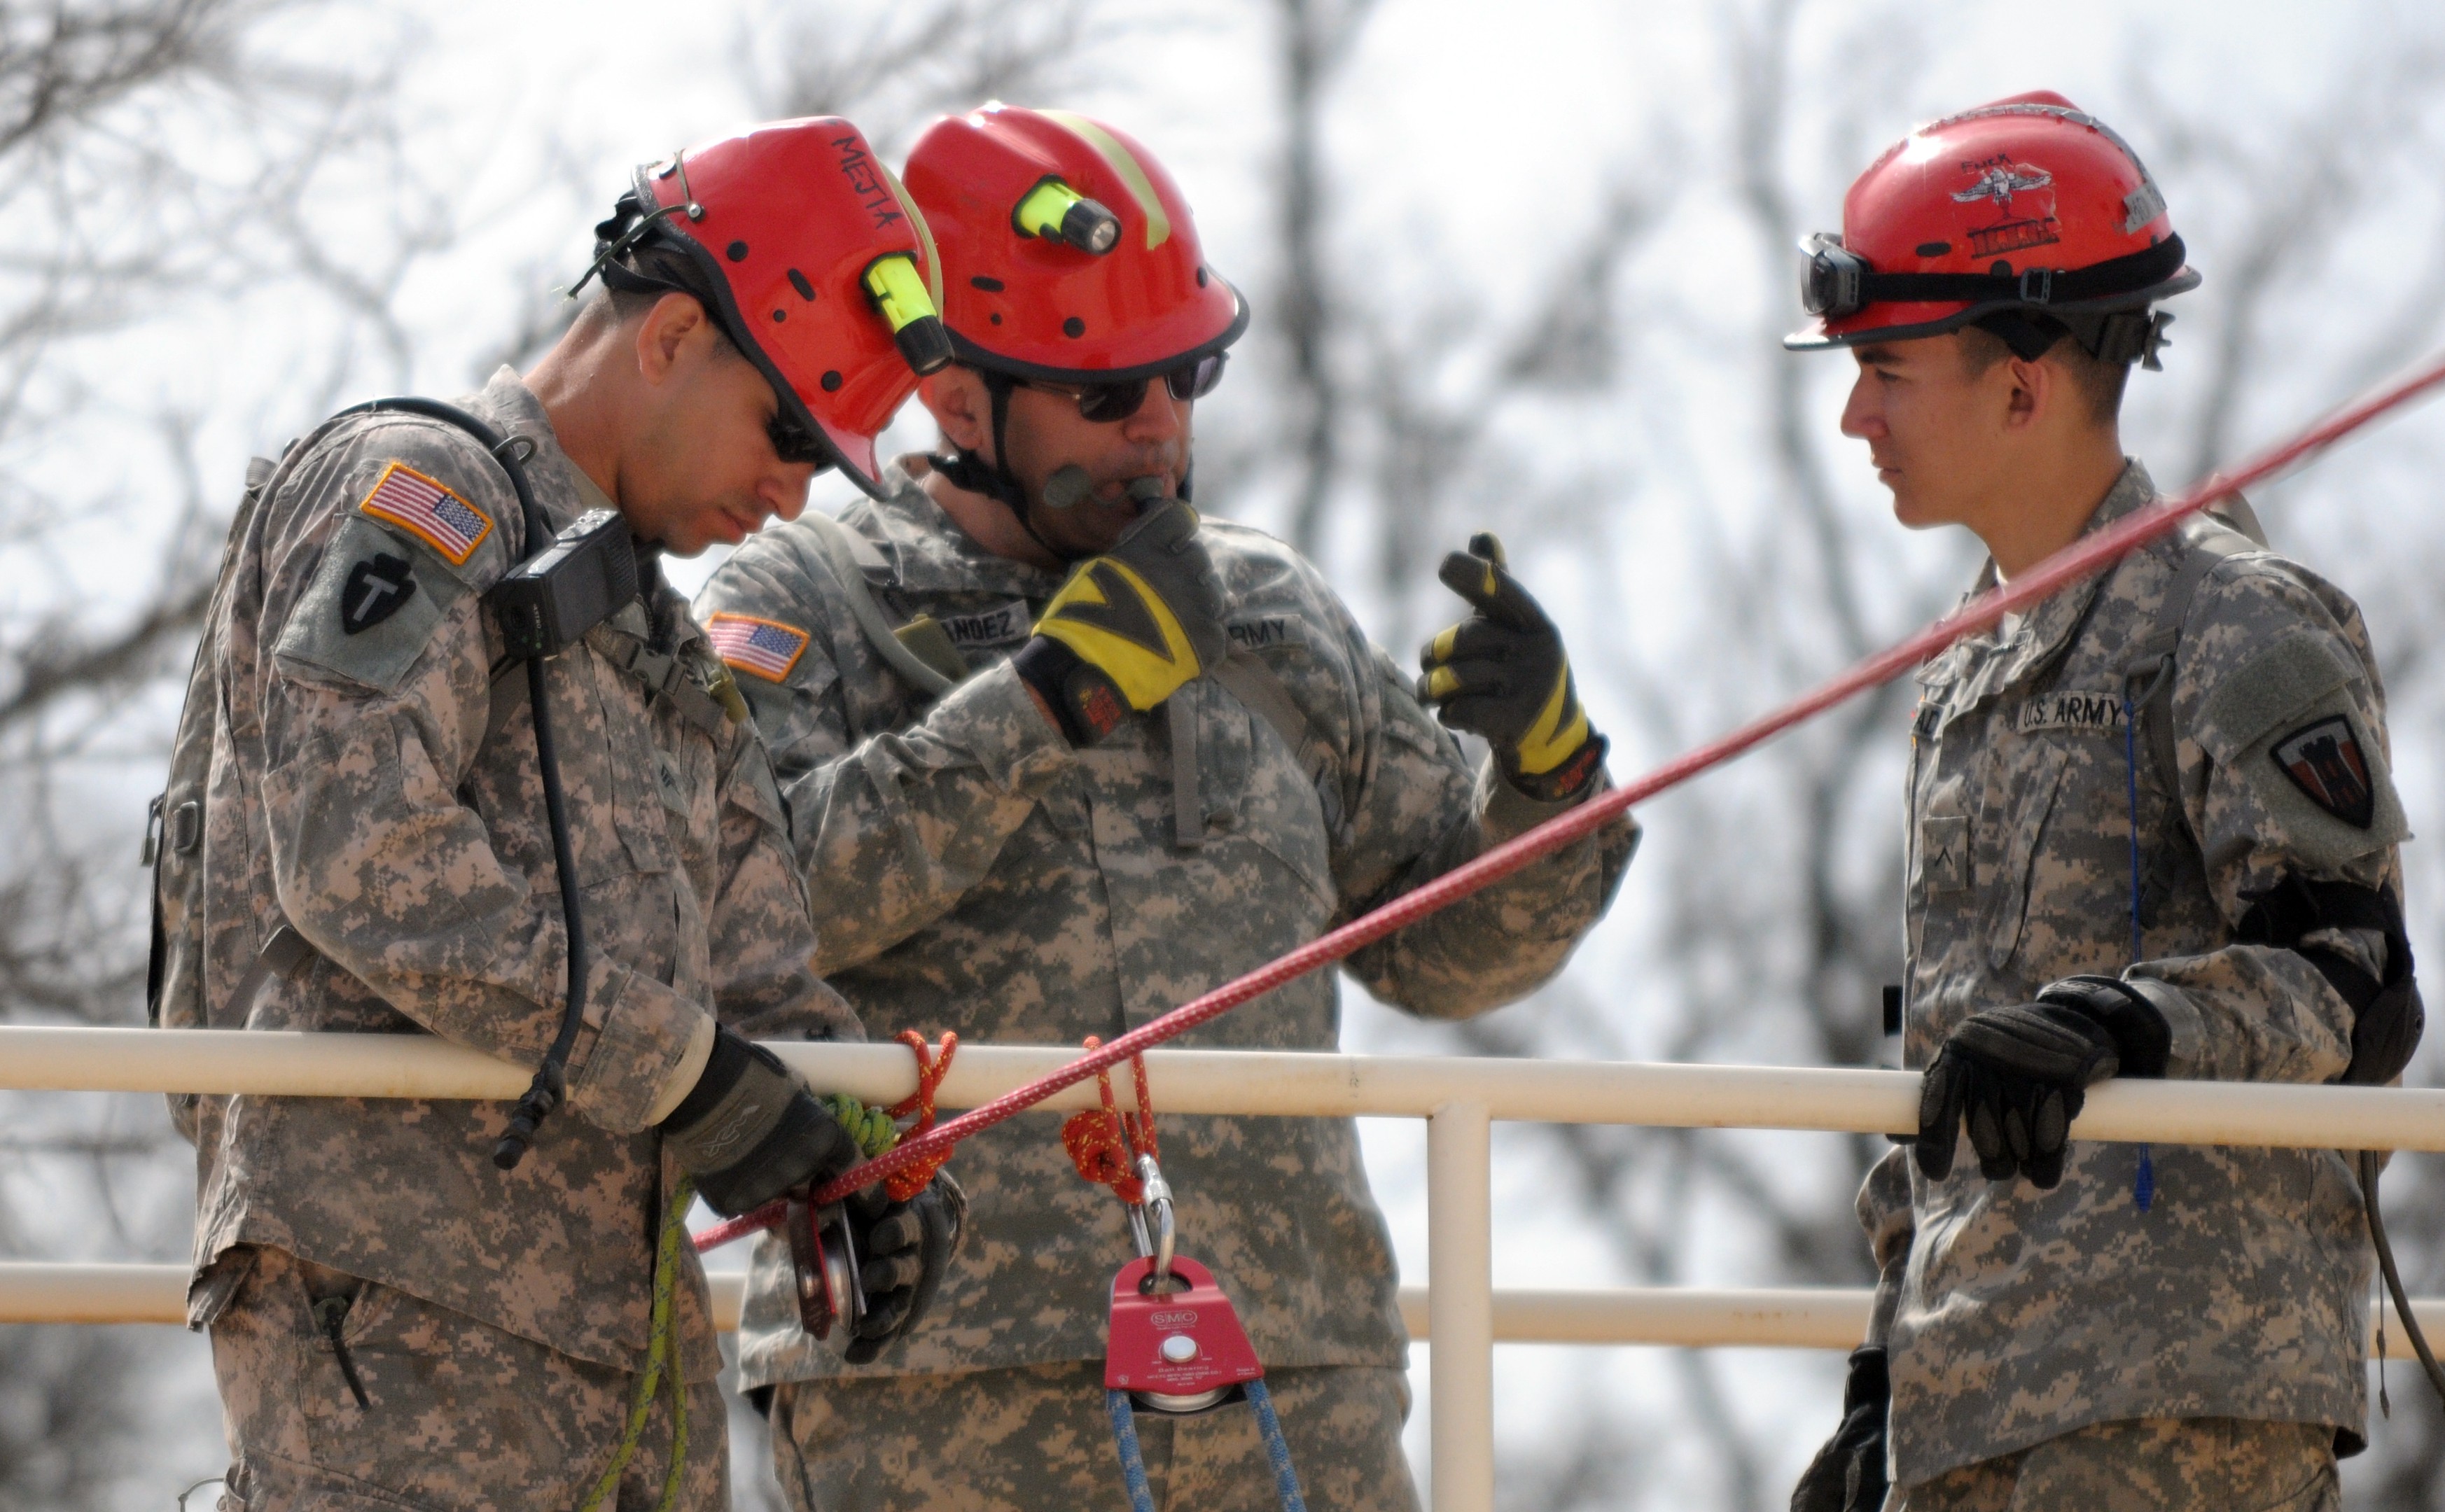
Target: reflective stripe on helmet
1124,163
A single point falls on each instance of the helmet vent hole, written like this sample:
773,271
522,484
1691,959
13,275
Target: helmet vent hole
780,315
991,285
1074,326
2000,268
737,252
1200,277
995,317
833,381
1933,249
798,282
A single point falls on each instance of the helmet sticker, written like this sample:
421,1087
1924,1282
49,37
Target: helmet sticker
2143,204
2000,178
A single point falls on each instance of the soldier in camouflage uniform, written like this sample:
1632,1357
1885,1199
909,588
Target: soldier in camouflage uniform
1061,843
2150,834
396,1321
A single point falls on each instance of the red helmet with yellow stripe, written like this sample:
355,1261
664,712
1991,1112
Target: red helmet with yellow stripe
820,269
1069,254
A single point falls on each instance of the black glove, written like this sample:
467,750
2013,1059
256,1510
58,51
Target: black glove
749,1130
1848,1474
1501,674
2020,1075
903,1249
1128,627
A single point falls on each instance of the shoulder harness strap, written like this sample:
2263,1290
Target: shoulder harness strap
849,556
2204,543
1246,677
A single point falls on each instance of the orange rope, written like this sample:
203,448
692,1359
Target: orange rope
931,1064
1104,1142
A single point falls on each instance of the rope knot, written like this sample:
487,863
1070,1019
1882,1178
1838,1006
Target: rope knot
932,1064
1104,1142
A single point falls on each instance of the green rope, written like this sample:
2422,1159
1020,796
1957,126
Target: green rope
659,1352
874,1132
871,1128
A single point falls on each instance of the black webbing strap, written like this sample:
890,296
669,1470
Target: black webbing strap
2126,275
2297,907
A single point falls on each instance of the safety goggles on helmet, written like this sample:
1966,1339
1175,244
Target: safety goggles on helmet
1110,403
1831,277
1834,282
2026,216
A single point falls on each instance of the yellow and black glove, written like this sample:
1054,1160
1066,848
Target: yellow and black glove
1129,628
1501,674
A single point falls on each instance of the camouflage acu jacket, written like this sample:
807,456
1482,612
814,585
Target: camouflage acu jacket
2238,1288
971,872
374,782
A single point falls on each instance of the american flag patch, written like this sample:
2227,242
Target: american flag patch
429,512
765,648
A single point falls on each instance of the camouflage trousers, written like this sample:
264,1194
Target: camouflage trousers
1038,1438
2150,1465
459,1414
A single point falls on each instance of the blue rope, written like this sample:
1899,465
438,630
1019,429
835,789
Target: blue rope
2143,1182
1125,1439
1278,1449
1133,1471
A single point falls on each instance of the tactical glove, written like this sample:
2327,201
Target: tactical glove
749,1130
1501,673
1848,1474
2020,1075
903,1249
1128,627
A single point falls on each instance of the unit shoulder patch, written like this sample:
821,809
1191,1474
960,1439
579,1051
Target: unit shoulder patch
373,604
377,588
428,509
2324,760
2070,709
767,648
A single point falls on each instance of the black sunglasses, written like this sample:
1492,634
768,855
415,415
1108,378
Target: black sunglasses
1106,404
791,441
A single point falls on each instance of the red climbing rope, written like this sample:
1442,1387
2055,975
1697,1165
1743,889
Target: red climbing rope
931,1064
1104,1142
2078,560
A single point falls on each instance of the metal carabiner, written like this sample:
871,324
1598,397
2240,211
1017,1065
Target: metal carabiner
1167,1223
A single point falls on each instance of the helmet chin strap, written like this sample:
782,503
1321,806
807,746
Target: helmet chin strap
994,478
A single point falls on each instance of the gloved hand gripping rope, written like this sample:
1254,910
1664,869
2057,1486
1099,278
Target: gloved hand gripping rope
870,1265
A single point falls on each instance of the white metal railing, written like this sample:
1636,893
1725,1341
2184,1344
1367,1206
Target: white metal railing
1460,1314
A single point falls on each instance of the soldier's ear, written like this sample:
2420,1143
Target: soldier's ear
956,399
668,336
2037,390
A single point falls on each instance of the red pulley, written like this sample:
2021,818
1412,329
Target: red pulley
1176,1351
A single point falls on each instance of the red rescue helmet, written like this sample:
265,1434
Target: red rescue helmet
818,267
2026,216
1069,254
